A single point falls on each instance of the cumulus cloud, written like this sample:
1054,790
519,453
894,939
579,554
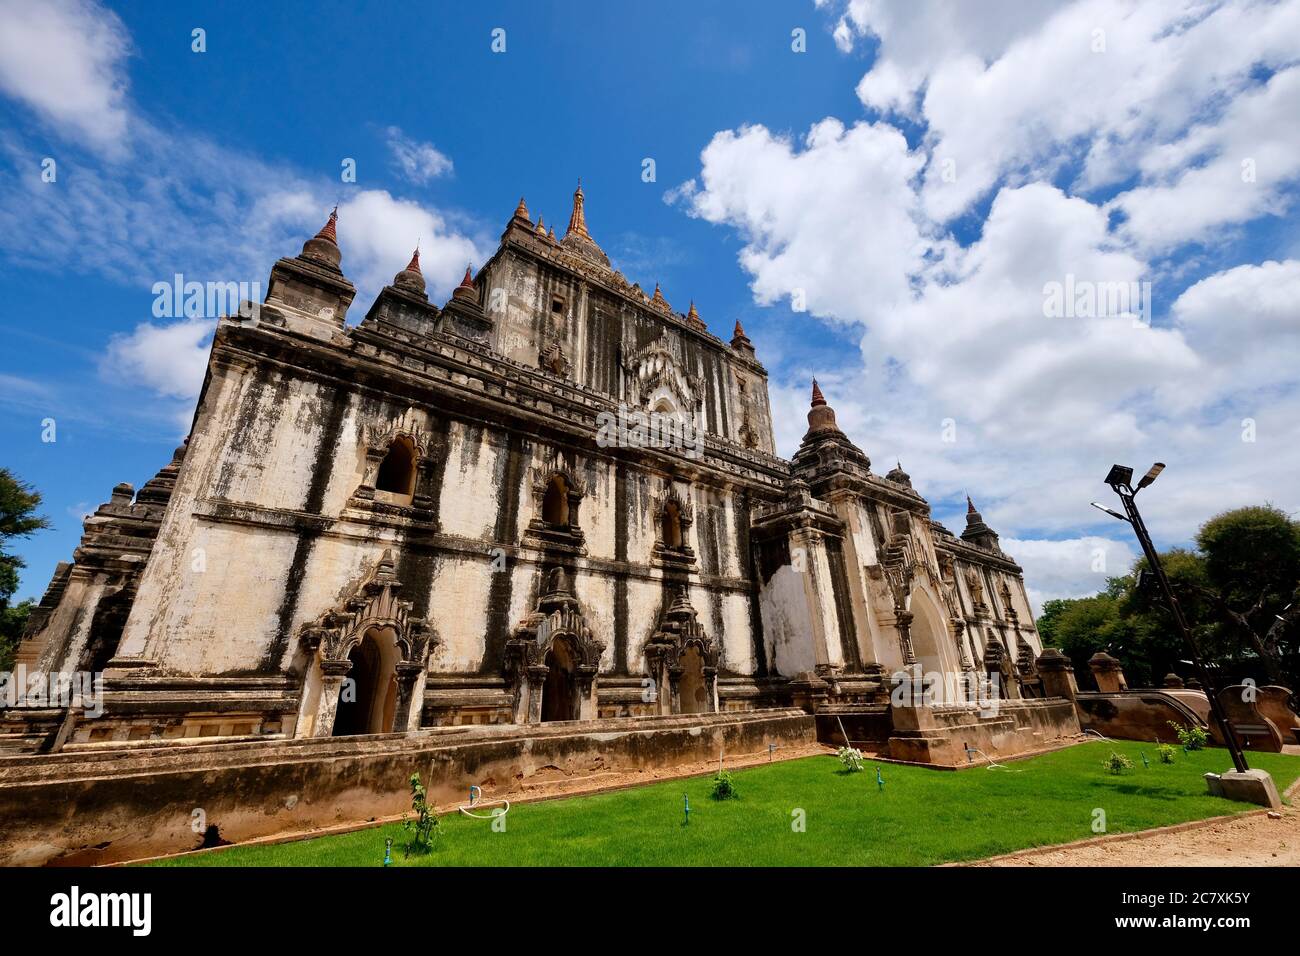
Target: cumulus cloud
1069,568
418,162
377,233
1042,108
168,359
1022,89
842,189
64,59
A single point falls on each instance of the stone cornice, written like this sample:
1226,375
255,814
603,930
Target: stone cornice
480,379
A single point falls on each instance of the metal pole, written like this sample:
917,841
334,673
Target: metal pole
1126,494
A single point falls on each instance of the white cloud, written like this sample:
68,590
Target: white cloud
378,232
953,332
418,162
1222,173
916,38
1070,568
64,60
168,359
847,190
1021,90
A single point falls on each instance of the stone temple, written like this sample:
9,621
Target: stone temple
417,521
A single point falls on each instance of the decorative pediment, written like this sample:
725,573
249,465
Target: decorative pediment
373,603
656,373
379,437
557,616
898,561
680,628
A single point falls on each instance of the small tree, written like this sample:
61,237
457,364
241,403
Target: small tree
724,788
1190,736
18,519
425,826
851,757
1117,763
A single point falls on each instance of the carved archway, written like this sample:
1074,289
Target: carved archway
372,612
673,516
399,458
532,655
557,491
683,661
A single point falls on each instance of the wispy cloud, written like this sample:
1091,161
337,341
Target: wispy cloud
418,162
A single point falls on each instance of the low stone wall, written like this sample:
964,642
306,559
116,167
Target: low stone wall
1143,714
940,735
125,803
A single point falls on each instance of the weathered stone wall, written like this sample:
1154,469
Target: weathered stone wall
98,808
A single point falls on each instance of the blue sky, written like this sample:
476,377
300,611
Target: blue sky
777,172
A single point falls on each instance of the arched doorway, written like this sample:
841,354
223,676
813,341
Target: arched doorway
555,503
368,697
933,650
560,691
692,691
671,530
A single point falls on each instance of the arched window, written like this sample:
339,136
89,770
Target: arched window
672,525
555,503
397,470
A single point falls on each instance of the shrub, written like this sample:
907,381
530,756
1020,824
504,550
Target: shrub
1166,752
1117,763
425,826
1193,738
851,757
724,788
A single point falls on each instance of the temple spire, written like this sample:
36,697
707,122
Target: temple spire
578,219
693,318
521,211
324,246
658,298
414,264
328,230
821,417
970,506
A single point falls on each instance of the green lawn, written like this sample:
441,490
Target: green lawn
920,817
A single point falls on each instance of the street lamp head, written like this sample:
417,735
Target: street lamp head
1151,475
1119,475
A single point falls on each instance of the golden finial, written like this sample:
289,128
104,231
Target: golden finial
577,219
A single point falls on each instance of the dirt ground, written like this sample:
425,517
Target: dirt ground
1253,840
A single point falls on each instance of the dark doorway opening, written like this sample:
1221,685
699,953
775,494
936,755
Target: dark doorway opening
357,701
560,692
397,470
692,692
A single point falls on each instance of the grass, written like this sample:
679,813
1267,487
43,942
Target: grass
920,817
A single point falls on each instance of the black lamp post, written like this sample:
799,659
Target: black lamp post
1120,480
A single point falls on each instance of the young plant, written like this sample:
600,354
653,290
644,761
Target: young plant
851,757
425,826
1191,737
724,788
1166,752
1117,763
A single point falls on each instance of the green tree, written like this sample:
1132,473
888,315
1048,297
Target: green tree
1252,586
18,519
1237,590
